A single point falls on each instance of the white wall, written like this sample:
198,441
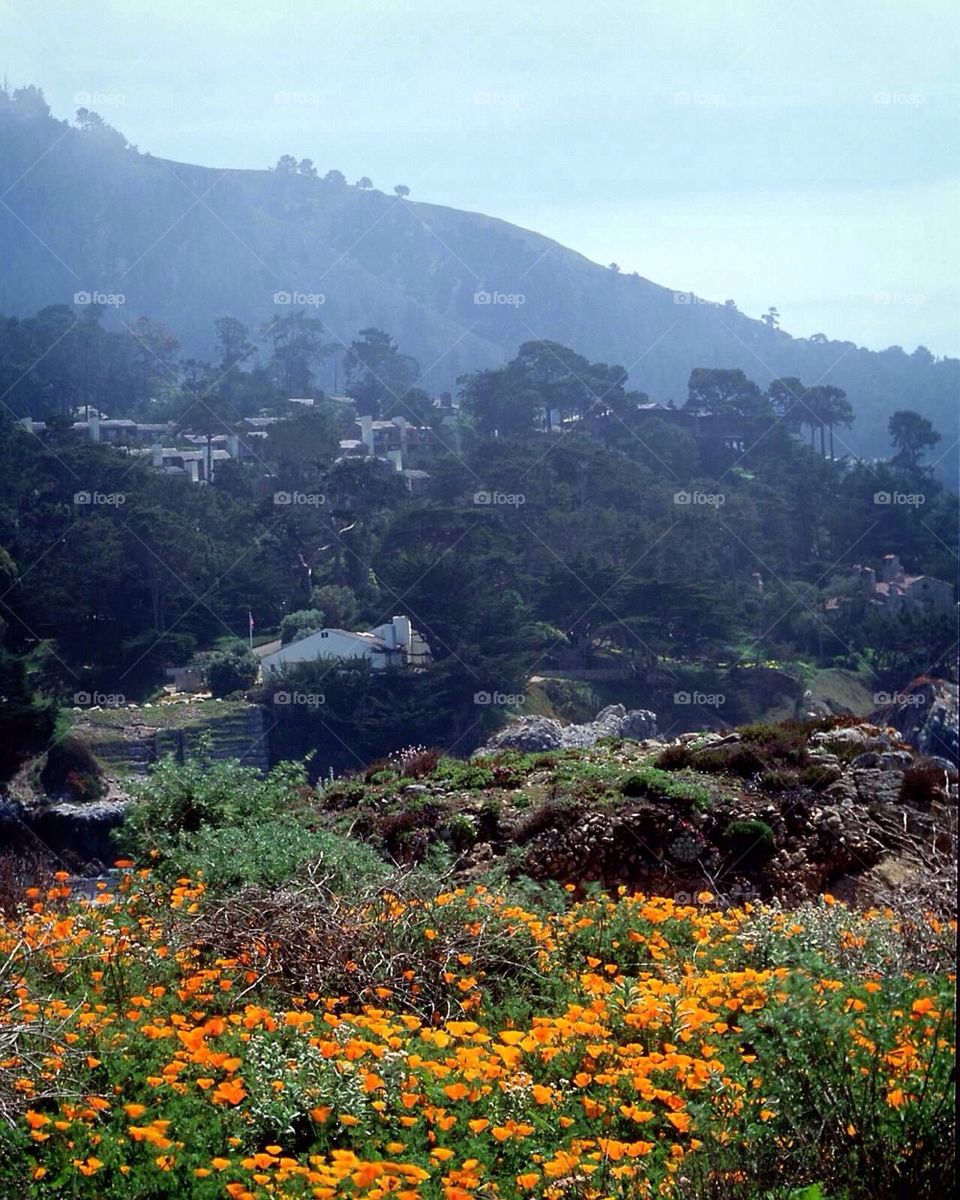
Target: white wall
308,649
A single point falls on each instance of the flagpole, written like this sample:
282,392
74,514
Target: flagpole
250,629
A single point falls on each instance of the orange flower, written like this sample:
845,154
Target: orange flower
230,1091
87,1166
528,1180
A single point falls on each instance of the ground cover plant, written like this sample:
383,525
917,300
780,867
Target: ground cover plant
160,1039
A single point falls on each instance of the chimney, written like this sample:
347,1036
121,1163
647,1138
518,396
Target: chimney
366,432
156,455
233,445
396,457
869,577
93,426
891,568
193,467
401,632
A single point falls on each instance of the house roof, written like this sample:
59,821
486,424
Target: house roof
368,639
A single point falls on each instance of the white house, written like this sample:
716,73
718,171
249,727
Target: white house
396,644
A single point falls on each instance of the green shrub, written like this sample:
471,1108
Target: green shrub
673,758
736,759
749,842
177,801
232,670
273,852
465,776
70,766
777,780
665,785
460,832
343,793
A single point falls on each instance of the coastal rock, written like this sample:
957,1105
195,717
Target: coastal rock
926,716
529,734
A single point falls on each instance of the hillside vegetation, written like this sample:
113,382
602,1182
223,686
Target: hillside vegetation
256,1004
185,244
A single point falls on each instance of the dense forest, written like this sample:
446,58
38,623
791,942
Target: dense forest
562,521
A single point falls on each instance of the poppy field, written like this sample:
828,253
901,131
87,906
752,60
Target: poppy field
465,1046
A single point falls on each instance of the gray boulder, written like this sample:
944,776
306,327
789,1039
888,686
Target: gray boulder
530,734
926,716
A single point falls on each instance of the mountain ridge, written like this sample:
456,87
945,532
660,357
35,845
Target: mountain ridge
187,243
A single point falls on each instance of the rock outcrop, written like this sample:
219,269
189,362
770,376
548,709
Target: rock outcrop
545,733
74,835
927,716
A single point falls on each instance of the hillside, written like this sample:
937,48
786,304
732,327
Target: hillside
85,212
354,990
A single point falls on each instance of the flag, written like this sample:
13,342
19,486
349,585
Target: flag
250,616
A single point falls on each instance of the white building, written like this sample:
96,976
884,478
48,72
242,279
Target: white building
396,644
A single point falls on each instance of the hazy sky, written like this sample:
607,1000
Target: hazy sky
797,154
